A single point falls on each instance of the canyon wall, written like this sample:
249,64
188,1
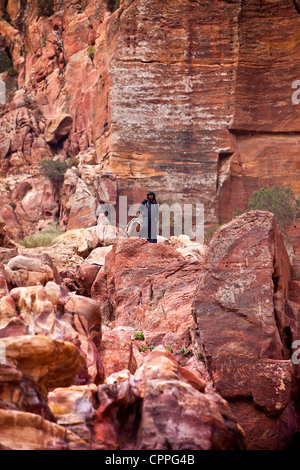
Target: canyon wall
192,99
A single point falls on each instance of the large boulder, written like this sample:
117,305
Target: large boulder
52,311
246,331
175,412
49,363
149,286
30,270
27,431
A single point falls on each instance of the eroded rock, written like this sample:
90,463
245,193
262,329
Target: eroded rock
245,328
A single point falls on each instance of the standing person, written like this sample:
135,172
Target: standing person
149,213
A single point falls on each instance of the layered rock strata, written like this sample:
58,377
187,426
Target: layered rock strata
190,99
248,322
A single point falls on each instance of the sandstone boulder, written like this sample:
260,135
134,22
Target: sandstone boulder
245,328
27,431
149,286
74,408
57,128
52,311
47,362
97,256
175,414
23,270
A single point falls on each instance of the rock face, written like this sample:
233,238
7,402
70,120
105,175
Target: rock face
192,99
172,422
204,100
246,327
155,349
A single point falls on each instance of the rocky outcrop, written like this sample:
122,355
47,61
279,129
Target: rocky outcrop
192,99
30,365
247,328
237,117
173,423
155,348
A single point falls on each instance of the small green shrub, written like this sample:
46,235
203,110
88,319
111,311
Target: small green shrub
143,348
200,356
91,52
184,350
237,212
12,71
5,62
53,169
139,335
45,237
169,348
279,200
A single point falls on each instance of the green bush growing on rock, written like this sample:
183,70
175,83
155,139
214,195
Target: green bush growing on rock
5,62
53,169
279,200
184,350
45,237
91,52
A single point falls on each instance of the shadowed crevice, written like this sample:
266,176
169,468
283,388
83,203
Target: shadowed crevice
296,6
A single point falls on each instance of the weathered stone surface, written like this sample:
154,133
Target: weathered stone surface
23,270
57,128
5,240
49,310
97,256
49,363
240,307
74,408
182,418
27,431
145,283
78,203
80,278
63,255
20,393
117,351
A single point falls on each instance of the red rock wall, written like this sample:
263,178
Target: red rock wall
191,99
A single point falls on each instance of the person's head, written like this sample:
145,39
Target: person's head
151,195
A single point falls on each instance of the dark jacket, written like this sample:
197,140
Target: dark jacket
149,212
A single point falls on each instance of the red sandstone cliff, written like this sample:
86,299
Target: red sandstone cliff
191,98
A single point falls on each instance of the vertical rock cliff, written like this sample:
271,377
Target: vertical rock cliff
190,98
